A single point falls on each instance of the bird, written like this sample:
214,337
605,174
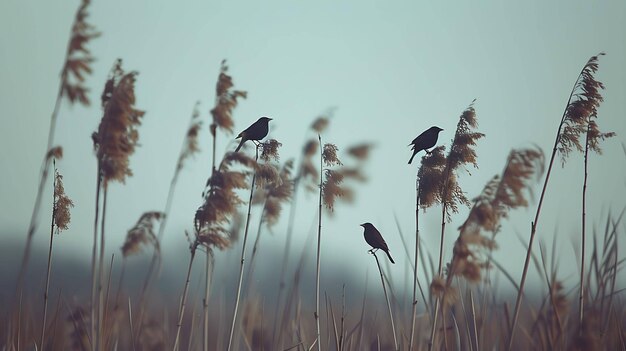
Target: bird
425,141
257,131
375,240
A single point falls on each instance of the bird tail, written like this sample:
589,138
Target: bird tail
240,144
411,159
389,255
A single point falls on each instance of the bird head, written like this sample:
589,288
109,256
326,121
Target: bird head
436,128
267,119
365,225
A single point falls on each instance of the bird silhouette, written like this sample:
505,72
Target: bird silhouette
257,131
425,141
375,240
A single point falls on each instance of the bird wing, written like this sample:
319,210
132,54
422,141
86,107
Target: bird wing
245,131
418,138
379,239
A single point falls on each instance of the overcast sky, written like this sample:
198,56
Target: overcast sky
391,69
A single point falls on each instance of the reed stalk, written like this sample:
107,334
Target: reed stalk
584,98
243,256
382,280
318,255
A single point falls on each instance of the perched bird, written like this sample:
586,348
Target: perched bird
375,240
425,141
257,131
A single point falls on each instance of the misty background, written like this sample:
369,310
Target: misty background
388,69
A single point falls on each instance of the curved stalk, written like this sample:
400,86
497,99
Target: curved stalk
382,280
32,227
533,230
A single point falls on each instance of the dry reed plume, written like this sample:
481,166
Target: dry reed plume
582,105
220,197
329,190
61,217
273,192
441,177
114,142
76,67
501,194
142,234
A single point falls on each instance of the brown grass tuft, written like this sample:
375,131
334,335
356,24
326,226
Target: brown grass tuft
55,152
117,135
276,194
269,150
142,233
361,152
332,189
220,197
461,154
267,174
430,174
320,124
78,60
438,288
500,195
62,205
595,136
329,155
582,106
214,238
225,100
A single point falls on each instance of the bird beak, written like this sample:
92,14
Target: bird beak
270,119
362,225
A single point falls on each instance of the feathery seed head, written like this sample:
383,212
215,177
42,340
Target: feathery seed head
226,100
320,124
329,155
62,204
79,58
117,134
142,233
269,150
583,106
361,152
55,152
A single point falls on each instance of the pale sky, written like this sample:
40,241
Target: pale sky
392,69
